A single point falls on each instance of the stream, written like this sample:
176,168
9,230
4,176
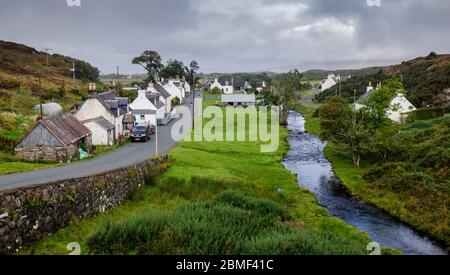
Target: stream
314,172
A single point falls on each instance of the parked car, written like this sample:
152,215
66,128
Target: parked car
141,133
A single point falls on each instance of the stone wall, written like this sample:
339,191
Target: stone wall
29,214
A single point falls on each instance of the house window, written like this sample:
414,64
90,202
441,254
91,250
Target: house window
142,117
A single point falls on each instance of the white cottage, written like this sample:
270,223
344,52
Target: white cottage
174,90
399,107
329,82
215,84
165,96
106,105
147,108
227,89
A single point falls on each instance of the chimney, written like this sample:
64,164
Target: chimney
92,91
369,88
141,93
177,78
150,85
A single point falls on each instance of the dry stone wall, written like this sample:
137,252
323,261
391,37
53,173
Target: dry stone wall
29,214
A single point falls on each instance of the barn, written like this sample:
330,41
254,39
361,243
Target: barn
54,139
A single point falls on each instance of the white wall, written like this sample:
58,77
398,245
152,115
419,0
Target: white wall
228,90
92,108
399,105
174,91
216,84
148,119
330,82
100,136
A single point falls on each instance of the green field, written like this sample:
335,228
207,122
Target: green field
195,182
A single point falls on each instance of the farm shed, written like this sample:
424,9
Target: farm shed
55,139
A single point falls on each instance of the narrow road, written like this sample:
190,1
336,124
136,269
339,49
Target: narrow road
122,157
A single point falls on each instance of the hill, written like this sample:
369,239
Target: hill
425,79
20,67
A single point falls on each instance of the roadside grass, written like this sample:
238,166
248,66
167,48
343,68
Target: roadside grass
198,173
9,165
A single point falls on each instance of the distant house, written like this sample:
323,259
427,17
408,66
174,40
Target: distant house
55,139
175,91
262,87
147,108
239,100
227,89
216,84
107,105
165,96
207,85
331,81
102,131
399,107
49,110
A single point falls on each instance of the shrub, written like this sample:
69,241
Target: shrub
262,206
176,101
136,193
429,113
231,225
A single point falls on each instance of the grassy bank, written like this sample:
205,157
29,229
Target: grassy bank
210,191
423,206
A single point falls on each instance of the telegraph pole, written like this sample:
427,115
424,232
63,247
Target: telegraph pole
73,71
46,51
40,97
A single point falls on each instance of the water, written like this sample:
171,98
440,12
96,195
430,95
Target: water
306,159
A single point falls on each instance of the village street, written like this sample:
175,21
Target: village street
125,156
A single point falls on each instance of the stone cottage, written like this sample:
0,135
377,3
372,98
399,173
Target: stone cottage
54,139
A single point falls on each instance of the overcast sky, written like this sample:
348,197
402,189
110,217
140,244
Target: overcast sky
232,35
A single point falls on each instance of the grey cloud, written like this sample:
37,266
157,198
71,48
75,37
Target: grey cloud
232,35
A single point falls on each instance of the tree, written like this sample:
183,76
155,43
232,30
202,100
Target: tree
174,68
216,91
380,101
286,93
350,130
191,71
333,116
357,138
85,70
151,62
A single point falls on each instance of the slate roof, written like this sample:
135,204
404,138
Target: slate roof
112,102
365,97
144,112
154,97
160,89
66,128
238,98
110,95
102,122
